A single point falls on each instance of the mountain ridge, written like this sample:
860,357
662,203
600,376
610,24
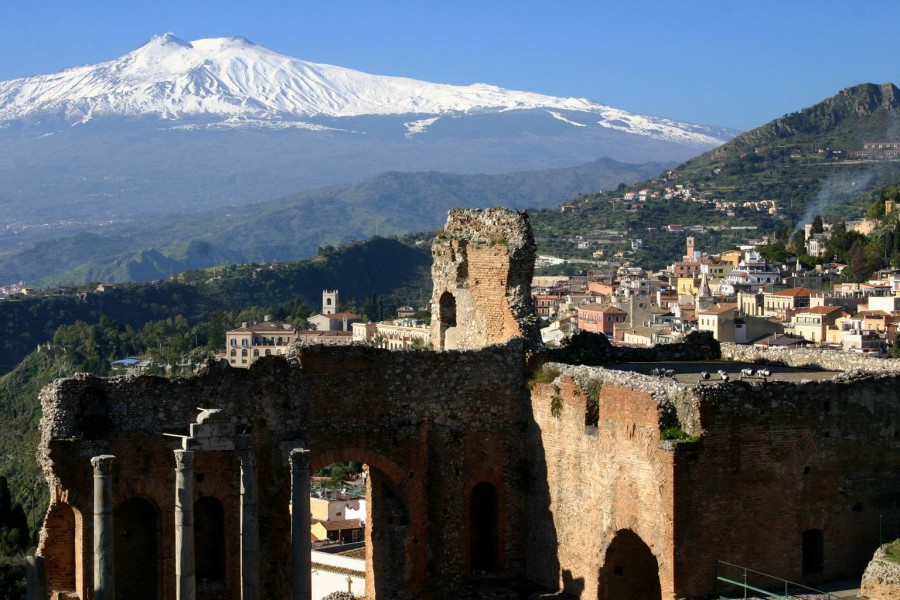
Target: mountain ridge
392,203
235,80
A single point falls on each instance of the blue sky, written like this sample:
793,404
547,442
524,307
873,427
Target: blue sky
735,64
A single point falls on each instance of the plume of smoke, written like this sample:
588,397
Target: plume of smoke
838,188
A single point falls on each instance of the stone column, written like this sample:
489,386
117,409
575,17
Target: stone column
104,574
249,526
301,581
184,525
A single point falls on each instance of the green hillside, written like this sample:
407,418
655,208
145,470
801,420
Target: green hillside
295,227
804,162
378,266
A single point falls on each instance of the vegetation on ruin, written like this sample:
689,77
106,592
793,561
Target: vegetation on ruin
677,433
556,403
544,374
592,403
893,551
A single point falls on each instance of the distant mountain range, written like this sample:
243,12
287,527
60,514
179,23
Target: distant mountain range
292,227
181,127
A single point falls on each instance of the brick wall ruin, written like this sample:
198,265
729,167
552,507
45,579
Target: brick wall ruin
773,461
431,427
482,269
493,463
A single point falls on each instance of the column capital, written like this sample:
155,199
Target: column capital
102,464
184,459
300,459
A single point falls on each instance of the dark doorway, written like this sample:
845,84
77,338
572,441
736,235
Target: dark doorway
483,528
813,551
630,571
447,304
135,551
209,540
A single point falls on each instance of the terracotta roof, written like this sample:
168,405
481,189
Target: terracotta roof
718,310
340,524
870,314
601,308
819,310
794,292
317,566
263,327
341,315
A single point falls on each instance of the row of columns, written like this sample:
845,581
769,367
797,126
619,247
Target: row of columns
185,581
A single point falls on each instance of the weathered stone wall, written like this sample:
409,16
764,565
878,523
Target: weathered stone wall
811,357
430,425
483,264
597,482
881,581
773,460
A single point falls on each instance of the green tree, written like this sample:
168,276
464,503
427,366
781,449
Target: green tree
817,225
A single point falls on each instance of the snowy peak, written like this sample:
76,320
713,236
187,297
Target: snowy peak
232,80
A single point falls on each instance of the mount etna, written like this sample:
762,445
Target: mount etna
179,127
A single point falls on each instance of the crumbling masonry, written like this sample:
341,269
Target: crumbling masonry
475,477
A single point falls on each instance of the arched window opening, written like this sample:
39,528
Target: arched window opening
630,570
484,525
268,352
244,352
135,550
233,352
447,316
256,352
209,540
813,551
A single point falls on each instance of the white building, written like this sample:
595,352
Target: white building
247,343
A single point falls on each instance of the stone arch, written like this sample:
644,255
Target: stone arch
447,318
136,538
209,543
484,528
630,570
392,506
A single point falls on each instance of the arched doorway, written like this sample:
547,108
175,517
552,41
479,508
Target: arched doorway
630,571
447,316
136,554
484,529
209,546
813,552
367,506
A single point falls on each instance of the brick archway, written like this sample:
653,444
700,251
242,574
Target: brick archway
630,570
394,512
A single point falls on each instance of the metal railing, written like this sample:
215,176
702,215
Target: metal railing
734,581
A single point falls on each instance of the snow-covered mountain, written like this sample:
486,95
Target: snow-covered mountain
178,127
233,81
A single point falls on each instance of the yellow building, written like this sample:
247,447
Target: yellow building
813,323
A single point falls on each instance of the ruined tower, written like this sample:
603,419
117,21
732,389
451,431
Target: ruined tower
482,270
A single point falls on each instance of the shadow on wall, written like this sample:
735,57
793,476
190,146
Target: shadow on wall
542,560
